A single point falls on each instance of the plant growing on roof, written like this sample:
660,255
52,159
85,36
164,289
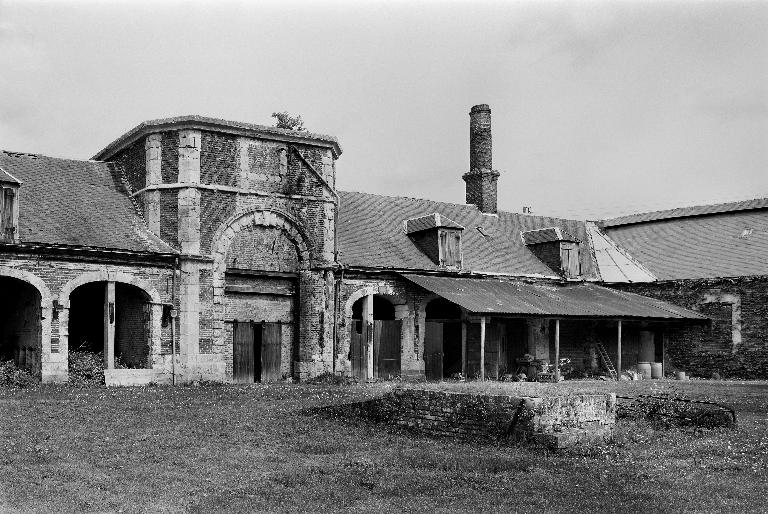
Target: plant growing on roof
286,121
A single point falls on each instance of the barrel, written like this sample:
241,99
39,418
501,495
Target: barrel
680,375
656,370
644,368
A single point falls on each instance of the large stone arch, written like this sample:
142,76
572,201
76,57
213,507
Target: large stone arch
223,239
49,361
404,311
106,275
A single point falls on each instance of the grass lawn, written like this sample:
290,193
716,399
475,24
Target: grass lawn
246,449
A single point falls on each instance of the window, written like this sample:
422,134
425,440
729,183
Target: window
7,229
569,258
450,248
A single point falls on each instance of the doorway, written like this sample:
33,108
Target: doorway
256,353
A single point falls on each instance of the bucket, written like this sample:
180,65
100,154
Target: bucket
656,370
644,368
680,375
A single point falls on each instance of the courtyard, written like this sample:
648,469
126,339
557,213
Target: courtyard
256,448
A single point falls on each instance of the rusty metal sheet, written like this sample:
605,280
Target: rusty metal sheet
514,297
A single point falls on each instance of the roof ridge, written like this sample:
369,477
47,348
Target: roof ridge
685,212
13,153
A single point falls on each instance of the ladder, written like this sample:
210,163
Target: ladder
606,360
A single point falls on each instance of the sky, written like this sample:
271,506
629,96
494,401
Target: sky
599,108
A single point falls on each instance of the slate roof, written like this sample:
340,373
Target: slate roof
7,178
494,296
427,222
77,203
706,242
371,234
194,121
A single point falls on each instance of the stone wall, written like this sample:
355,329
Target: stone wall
735,345
555,421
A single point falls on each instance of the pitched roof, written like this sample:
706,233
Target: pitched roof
371,234
684,212
495,296
724,243
8,178
546,235
77,203
435,220
194,121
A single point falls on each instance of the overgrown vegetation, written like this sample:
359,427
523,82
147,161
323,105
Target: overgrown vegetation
12,376
289,122
86,368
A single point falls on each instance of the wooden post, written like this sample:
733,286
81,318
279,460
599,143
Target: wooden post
618,353
557,350
482,348
464,347
109,325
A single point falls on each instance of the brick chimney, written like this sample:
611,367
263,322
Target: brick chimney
481,178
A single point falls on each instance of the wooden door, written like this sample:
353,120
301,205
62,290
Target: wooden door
433,350
358,350
271,350
243,355
386,348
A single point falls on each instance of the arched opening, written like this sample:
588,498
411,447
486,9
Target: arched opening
442,339
375,348
112,319
20,323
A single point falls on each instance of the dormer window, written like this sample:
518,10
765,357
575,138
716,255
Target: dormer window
438,238
9,207
557,249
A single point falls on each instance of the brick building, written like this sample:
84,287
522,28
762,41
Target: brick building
194,248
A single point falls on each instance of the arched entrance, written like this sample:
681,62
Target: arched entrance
375,351
20,323
112,318
442,339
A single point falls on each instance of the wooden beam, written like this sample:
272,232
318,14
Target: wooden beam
464,348
482,348
557,350
618,352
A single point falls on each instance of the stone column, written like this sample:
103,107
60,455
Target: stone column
153,155
411,367
368,328
109,325
189,198
189,319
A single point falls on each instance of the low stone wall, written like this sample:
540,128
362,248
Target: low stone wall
554,421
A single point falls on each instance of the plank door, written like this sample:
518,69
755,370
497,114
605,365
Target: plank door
271,350
433,350
243,356
358,351
386,348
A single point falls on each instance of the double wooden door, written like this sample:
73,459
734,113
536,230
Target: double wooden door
257,352
386,349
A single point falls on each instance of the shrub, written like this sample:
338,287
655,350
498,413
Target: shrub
331,379
668,411
14,377
86,368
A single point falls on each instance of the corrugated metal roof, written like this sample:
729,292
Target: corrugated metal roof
495,296
684,212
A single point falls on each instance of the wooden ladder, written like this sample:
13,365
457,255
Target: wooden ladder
606,360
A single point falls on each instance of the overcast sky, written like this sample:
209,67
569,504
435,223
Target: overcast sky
599,109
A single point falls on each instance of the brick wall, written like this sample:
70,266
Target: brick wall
556,421
263,248
218,159
170,157
133,162
704,349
